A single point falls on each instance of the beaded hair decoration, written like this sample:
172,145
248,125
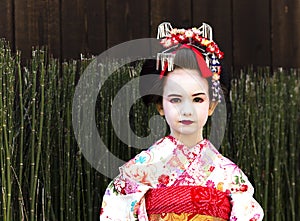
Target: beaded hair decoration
199,40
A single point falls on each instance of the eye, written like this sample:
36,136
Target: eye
175,100
198,100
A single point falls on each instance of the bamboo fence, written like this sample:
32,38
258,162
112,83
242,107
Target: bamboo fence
44,176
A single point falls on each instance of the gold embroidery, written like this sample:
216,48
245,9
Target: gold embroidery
182,217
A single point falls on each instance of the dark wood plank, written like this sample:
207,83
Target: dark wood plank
96,26
127,20
37,24
177,12
251,33
286,33
6,24
83,27
73,29
218,15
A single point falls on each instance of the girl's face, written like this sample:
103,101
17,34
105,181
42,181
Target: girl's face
185,105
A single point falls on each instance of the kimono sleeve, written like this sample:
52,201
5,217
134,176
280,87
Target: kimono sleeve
244,206
122,200
124,196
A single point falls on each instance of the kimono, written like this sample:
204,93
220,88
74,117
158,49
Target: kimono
170,181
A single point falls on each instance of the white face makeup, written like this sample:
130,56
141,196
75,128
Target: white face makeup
185,104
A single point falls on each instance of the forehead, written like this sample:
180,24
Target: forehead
185,81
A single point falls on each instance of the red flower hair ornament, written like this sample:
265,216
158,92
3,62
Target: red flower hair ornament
199,40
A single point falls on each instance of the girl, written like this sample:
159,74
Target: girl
182,176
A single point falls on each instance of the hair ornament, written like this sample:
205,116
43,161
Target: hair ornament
200,41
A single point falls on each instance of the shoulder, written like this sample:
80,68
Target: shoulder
223,161
144,167
233,178
162,148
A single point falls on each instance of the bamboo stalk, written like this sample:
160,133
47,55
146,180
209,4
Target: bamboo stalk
21,145
3,151
40,135
33,136
61,160
291,156
53,73
56,164
78,187
65,145
265,124
7,74
10,129
267,147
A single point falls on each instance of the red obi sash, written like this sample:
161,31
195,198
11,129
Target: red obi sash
189,199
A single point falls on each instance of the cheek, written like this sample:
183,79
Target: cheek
203,112
205,108
170,110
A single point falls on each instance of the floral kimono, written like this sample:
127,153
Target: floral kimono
170,181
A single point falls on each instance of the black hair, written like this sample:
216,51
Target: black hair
185,58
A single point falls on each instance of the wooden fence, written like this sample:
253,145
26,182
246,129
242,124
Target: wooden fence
257,32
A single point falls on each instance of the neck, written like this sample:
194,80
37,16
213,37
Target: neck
188,140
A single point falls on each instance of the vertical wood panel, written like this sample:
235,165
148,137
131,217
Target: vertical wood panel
218,15
82,27
241,28
286,33
251,32
73,28
96,26
37,24
127,20
6,21
178,12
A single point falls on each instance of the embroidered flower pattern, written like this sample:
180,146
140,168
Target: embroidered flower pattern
210,184
125,186
141,159
255,217
208,168
163,180
211,168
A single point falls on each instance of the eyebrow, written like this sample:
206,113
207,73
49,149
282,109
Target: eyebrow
178,95
174,95
197,94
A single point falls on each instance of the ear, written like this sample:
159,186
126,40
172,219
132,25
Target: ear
212,107
160,109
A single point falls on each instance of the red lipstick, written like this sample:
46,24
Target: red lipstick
186,122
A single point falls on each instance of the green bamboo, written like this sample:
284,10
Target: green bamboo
291,155
43,161
275,148
40,136
55,147
83,198
3,153
7,88
61,161
10,130
21,145
53,72
88,171
66,147
78,178
267,129
78,187
280,150
33,136
82,169
70,71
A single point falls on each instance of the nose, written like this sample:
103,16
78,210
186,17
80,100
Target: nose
186,109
